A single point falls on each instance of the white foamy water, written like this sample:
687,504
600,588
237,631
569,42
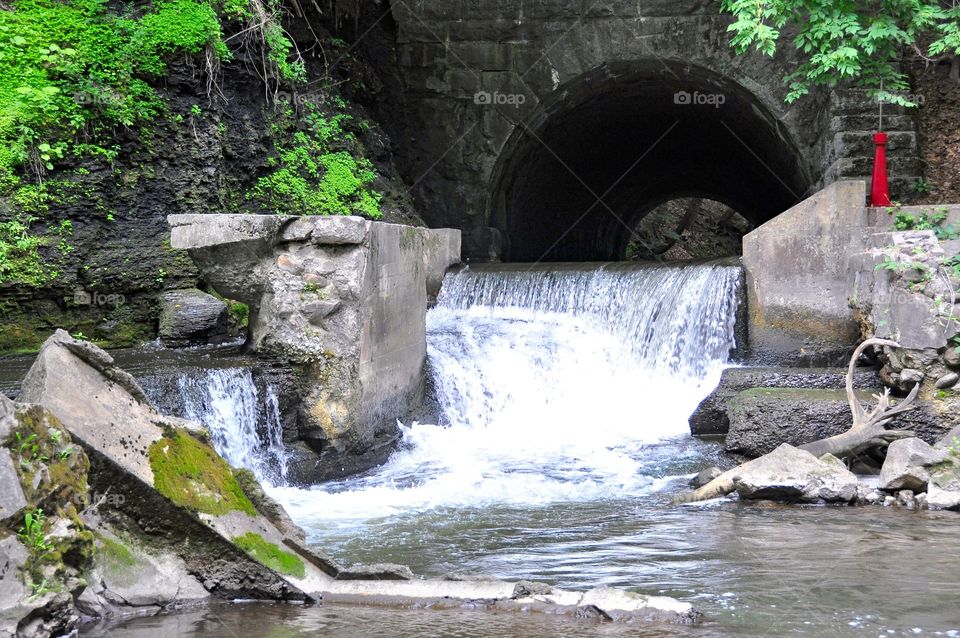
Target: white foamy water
244,430
552,384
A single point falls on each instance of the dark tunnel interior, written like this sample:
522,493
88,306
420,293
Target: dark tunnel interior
621,141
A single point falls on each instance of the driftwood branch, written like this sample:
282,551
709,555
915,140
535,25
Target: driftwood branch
867,432
869,428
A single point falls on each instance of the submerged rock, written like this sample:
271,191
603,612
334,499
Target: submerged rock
793,475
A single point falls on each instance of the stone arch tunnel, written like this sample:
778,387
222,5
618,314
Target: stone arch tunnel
577,177
514,118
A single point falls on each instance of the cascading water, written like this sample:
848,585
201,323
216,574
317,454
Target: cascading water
551,383
227,402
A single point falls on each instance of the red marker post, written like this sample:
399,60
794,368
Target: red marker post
880,189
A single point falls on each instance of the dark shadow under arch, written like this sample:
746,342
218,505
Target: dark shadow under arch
637,134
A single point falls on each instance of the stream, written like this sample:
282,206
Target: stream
563,395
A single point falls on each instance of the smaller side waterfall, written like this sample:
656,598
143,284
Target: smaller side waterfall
245,430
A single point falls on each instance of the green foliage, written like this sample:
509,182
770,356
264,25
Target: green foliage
933,220
856,41
319,170
20,259
238,314
71,73
894,264
271,555
192,475
79,66
37,590
32,534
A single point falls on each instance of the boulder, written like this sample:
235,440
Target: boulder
710,417
12,500
191,317
763,418
943,490
905,467
793,475
13,591
6,417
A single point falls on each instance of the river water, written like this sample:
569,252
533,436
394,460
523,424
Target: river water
562,399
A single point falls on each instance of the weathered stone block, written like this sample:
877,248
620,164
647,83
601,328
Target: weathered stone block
797,272
761,419
12,500
710,417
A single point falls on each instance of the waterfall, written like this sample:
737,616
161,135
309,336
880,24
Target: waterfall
554,384
226,401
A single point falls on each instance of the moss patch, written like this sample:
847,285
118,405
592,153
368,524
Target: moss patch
271,555
116,560
192,475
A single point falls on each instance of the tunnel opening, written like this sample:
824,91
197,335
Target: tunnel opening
616,146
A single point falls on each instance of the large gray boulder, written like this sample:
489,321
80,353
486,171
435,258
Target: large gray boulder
710,418
906,465
191,316
13,591
793,475
761,419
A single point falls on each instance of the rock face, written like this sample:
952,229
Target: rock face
763,418
907,465
189,317
710,417
342,299
789,474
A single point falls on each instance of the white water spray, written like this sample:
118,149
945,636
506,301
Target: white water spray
551,382
226,401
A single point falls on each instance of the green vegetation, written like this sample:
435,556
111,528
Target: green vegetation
73,72
191,474
32,533
892,263
862,42
319,168
271,555
926,220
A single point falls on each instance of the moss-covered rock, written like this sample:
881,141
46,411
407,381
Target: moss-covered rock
271,555
191,474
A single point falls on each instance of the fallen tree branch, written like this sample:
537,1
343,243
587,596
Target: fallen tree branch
867,432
